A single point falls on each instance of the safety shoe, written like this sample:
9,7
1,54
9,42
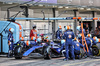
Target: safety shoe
65,59
85,56
73,58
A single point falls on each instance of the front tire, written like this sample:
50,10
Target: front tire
47,53
18,52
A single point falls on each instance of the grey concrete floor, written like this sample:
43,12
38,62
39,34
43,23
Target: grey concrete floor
53,62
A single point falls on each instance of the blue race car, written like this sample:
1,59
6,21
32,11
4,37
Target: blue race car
47,50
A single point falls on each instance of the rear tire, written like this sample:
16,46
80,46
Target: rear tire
95,51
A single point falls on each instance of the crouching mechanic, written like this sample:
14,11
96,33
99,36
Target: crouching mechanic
10,42
59,33
90,41
77,47
69,36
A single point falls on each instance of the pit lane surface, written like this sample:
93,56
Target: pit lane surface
54,62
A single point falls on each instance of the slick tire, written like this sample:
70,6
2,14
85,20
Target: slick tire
95,51
18,52
47,53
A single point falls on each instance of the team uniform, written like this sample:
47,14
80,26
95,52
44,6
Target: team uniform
10,42
69,35
77,47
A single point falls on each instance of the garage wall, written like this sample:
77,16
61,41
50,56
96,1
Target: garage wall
80,2
43,25
98,14
38,13
85,14
65,22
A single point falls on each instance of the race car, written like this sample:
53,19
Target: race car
45,50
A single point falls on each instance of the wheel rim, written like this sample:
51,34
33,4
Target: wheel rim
95,51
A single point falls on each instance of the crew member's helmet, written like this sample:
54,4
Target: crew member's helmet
59,27
22,38
78,28
98,40
89,35
80,35
67,27
11,30
33,38
62,41
39,40
28,43
95,38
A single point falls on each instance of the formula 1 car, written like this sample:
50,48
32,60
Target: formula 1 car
45,50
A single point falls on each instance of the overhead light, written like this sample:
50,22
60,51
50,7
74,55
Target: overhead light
25,4
98,9
40,5
66,7
81,8
48,5
84,6
60,7
88,9
54,6
9,3
31,4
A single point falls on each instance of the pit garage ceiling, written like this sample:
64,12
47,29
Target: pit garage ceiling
80,2
95,3
72,4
